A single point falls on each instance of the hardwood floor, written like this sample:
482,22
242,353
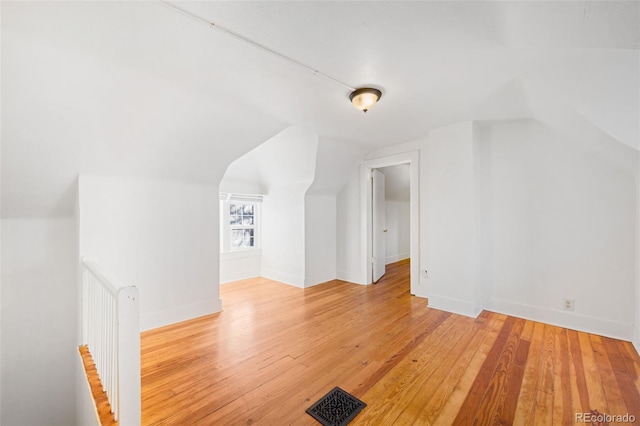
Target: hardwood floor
276,349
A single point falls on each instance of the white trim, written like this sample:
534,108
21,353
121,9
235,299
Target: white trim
284,278
348,277
240,265
456,306
570,320
413,159
231,278
178,314
241,198
241,254
636,338
310,281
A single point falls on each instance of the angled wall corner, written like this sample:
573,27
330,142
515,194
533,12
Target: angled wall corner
299,175
335,161
287,166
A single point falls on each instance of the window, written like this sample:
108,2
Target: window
239,222
242,221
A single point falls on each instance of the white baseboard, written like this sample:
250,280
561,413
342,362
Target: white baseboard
240,265
284,278
636,338
180,313
570,320
397,257
348,277
456,306
313,284
229,278
311,281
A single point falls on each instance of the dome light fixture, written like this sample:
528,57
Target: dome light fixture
365,98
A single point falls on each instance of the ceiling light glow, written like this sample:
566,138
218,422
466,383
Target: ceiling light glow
365,98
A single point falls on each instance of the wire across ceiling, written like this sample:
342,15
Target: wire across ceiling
254,44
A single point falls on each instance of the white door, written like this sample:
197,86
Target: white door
378,231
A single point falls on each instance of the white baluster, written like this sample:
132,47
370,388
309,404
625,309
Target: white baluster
110,327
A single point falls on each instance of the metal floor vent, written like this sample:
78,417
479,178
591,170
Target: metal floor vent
337,408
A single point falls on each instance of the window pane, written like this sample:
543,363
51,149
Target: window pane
241,224
237,238
248,238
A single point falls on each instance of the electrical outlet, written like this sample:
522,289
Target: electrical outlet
568,304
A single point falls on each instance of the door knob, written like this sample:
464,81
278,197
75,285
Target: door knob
384,230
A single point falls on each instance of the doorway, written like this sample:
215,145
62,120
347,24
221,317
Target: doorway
366,200
391,230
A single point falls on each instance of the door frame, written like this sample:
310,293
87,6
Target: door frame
366,249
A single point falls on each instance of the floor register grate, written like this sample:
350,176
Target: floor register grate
337,408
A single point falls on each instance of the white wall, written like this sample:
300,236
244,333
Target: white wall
0,228
320,238
240,265
348,232
282,168
448,225
86,411
560,228
283,234
349,238
397,212
398,228
161,236
515,217
636,328
294,162
335,161
242,177
39,308
636,331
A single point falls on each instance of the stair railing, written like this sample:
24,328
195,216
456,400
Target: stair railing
111,331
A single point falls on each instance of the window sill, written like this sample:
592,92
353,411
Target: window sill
239,254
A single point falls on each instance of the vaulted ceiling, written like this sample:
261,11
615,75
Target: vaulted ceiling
135,88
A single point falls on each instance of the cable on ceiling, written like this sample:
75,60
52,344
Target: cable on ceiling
253,44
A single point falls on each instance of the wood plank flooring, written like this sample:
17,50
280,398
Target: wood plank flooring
276,349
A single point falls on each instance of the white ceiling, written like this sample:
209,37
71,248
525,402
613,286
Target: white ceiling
135,88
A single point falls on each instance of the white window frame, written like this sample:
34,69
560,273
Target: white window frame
225,221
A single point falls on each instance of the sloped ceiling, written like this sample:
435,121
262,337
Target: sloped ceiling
135,88
288,157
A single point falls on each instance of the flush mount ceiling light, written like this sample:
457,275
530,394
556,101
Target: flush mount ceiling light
365,98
